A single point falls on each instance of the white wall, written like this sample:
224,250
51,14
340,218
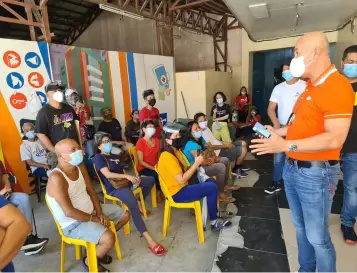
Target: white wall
345,39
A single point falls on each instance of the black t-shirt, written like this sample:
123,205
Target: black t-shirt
223,110
113,127
350,143
57,124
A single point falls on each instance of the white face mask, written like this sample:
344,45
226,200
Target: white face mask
203,124
150,131
58,96
298,67
219,101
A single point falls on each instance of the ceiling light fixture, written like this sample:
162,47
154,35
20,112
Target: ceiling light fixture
115,9
297,16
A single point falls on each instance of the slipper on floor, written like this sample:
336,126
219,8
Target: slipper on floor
107,259
148,213
158,250
100,267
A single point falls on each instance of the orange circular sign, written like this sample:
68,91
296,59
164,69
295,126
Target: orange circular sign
18,101
12,59
35,79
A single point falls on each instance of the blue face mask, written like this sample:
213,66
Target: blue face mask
30,134
350,70
197,134
76,158
107,147
287,75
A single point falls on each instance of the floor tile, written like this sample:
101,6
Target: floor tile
282,200
255,196
255,211
245,260
260,166
263,235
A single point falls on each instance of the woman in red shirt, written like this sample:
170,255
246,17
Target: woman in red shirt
243,100
148,148
247,129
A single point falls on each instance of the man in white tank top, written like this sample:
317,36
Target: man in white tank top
75,204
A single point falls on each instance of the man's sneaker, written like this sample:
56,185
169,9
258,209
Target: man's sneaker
241,174
35,250
273,188
33,241
244,168
349,235
221,224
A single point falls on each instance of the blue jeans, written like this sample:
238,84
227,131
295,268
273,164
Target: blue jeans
9,268
40,172
90,152
22,202
310,192
279,161
197,192
349,209
152,173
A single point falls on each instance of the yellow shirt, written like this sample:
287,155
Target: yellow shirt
168,168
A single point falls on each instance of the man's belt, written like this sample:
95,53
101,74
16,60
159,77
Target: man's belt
312,163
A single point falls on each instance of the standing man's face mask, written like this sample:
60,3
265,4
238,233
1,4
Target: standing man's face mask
287,75
298,66
350,70
58,96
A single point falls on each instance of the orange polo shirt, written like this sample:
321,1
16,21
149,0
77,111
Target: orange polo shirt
331,96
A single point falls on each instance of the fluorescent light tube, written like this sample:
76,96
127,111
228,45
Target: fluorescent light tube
116,10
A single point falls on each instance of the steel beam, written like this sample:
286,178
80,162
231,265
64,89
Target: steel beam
220,45
188,5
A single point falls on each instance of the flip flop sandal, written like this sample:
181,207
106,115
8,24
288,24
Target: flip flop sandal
233,188
101,268
158,250
107,259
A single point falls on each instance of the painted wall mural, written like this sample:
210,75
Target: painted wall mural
102,78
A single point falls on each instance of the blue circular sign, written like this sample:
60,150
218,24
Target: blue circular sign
15,80
33,60
42,96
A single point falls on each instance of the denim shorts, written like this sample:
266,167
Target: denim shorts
92,231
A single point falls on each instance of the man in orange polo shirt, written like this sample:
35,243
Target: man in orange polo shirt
317,130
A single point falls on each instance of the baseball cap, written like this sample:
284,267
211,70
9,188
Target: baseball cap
52,86
69,92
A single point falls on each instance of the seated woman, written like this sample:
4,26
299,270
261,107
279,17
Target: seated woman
171,169
235,151
247,128
132,129
110,170
217,166
148,148
220,113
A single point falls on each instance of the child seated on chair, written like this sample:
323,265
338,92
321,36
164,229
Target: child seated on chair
76,207
148,148
120,185
171,171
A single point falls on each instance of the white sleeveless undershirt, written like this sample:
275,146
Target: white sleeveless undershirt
77,192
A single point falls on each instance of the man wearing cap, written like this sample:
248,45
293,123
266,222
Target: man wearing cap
151,112
56,120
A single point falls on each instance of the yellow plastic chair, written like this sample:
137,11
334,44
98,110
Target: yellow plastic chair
134,159
169,202
116,200
90,247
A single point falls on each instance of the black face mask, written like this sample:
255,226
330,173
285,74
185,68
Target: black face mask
108,116
178,143
152,102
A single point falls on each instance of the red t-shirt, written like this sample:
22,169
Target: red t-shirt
82,119
242,101
150,154
252,121
154,115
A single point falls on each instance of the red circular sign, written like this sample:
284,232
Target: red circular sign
35,79
12,59
18,101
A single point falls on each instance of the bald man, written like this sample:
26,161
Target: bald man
316,131
75,204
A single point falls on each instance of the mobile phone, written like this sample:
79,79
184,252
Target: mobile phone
260,129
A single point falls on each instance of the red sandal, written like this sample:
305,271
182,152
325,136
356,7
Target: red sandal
158,250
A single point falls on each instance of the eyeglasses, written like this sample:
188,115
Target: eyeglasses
106,141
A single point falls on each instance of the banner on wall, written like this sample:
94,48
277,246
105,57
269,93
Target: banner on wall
102,78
